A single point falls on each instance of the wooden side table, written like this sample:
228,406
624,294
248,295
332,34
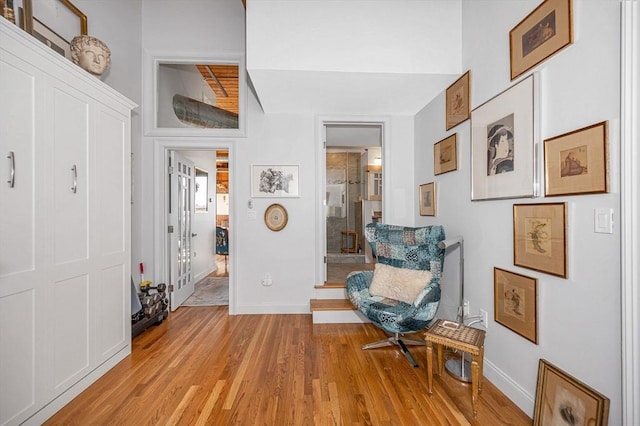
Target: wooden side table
465,339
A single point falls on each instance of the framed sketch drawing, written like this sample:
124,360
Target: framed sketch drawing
275,181
515,303
545,31
458,100
445,155
540,237
503,136
563,399
576,162
428,199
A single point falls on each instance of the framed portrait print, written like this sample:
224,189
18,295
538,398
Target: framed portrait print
504,131
545,31
563,399
540,237
275,181
445,155
458,100
428,199
276,217
576,162
515,303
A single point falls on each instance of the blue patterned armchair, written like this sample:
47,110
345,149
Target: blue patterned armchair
406,248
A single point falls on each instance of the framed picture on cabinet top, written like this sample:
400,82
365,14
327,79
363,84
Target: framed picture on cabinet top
540,237
515,303
576,162
564,400
503,138
445,155
428,199
545,31
61,16
458,100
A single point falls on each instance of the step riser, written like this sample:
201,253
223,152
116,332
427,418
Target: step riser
331,293
339,317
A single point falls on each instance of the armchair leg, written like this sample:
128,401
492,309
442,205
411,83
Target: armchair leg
401,342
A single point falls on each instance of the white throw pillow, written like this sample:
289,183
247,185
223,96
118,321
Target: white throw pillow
397,283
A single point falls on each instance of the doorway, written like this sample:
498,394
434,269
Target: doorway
204,261
353,187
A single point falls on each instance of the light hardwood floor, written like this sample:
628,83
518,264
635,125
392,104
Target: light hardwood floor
202,366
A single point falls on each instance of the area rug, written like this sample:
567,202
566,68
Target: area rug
210,291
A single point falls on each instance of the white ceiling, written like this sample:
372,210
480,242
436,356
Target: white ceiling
383,57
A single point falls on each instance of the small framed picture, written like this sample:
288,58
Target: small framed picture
458,101
445,155
545,31
275,181
540,237
576,162
515,303
428,199
564,400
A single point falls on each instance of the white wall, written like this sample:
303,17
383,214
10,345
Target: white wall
578,317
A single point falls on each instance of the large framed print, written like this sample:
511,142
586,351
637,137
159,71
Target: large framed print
545,31
504,131
576,162
275,181
458,100
515,303
540,237
564,400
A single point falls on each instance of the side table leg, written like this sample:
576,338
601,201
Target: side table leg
481,363
474,384
440,360
430,366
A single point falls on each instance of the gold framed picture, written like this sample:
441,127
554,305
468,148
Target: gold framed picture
276,217
515,303
458,100
545,31
540,237
563,399
576,162
445,155
428,199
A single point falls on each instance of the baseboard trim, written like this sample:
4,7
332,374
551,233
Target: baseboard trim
516,393
272,309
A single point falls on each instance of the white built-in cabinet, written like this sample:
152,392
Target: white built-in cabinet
64,228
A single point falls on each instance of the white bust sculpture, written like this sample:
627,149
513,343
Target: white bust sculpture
91,54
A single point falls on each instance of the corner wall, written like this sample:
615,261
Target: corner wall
579,317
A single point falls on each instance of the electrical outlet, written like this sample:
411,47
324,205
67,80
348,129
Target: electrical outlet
465,307
484,318
267,281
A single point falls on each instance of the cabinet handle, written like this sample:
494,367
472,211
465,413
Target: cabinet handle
74,170
12,167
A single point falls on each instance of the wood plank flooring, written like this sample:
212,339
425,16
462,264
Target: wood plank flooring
203,367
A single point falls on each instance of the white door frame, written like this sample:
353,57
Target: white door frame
161,146
321,232
630,211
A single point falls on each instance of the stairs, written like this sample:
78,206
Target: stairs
331,306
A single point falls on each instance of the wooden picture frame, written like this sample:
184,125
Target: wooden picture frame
544,32
445,155
504,131
563,399
576,162
458,101
428,199
275,181
28,17
540,237
276,217
515,303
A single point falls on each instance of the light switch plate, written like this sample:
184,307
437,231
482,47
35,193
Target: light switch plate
603,221
251,215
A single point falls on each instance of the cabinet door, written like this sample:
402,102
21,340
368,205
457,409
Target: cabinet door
110,247
70,279
20,216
